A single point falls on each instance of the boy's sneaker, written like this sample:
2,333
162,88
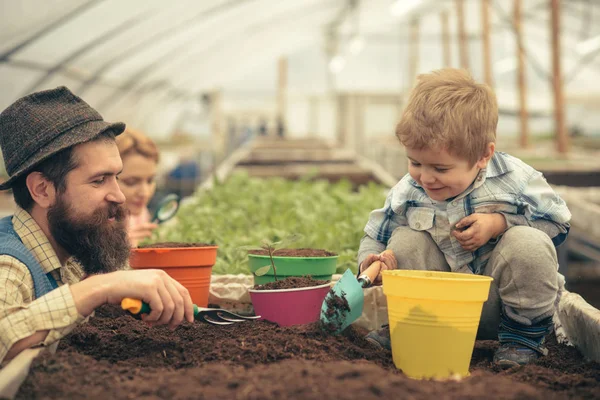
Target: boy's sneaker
380,337
513,355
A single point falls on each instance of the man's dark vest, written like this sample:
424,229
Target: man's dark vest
11,244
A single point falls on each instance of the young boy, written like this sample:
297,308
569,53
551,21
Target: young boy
465,208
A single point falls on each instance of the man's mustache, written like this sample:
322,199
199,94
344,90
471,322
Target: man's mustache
116,211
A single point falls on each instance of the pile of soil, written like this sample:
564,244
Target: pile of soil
169,245
292,282
118,357
295,253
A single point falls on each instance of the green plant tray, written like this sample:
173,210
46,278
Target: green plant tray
317,267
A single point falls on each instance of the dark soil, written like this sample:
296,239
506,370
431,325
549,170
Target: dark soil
164,245
295,253
337,309
118,357
292,282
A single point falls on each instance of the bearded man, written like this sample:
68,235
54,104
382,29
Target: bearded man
63,252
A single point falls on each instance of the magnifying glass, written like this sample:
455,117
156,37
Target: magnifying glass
166,208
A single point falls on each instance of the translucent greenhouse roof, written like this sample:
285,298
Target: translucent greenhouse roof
148,59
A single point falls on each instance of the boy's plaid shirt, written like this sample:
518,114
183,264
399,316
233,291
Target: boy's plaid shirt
507,186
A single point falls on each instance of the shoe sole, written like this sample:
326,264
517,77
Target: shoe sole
376,343
506,364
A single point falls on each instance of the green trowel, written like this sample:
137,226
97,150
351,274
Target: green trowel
344,302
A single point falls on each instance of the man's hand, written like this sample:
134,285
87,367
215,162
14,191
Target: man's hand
169,300
388,262
477,229
140,232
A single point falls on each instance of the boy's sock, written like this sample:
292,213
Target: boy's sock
521,344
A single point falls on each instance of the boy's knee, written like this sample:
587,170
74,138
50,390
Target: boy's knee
524,242
529,252
416,250
404,239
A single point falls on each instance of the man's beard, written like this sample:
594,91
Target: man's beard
98,244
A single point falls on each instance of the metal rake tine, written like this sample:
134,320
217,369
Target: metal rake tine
233,315
226,317
207,319
243,317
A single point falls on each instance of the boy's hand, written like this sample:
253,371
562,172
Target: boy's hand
370,259
477,229
388,259
388,262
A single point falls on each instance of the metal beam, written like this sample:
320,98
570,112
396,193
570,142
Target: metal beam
121,28
49,28
153,39
128,86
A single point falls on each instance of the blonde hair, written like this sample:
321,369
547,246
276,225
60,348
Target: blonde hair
132,141
448,110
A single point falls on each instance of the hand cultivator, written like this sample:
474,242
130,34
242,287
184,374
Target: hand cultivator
214,316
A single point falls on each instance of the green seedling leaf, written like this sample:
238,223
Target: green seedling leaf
262,270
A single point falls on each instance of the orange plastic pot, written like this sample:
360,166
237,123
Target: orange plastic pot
190,266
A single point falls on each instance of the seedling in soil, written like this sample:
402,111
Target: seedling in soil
271,247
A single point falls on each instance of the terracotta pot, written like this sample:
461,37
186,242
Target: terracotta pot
190,266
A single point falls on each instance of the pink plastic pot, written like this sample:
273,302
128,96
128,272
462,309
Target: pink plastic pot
288,307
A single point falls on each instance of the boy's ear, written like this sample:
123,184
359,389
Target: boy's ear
483,161
41,189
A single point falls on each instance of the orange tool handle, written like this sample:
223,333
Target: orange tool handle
369,275
135,306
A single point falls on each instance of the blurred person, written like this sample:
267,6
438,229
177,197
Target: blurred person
280,127
262,127
138,182
464,207
63,251
184,178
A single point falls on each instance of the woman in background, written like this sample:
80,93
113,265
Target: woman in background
138,181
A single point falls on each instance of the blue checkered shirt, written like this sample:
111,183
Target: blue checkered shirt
507,186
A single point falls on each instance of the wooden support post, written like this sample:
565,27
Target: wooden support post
359,124
413,58
219,138
463,43
485,37
446,39
282,89
557,82
313,116
522,85
342,124
351,119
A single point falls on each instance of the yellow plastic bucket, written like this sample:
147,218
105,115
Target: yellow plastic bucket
433,320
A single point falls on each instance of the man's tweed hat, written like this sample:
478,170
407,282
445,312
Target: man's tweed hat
41,124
